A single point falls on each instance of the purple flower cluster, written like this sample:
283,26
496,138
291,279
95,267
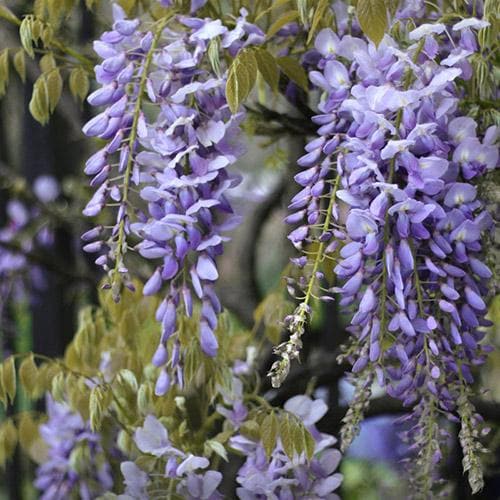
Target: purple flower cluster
394,141
184,469
178,158
279,477
76,464
17,274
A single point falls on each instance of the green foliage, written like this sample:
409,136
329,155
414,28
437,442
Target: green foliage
79,83
318,17
372,16
293,70
267,425
285,18
19,62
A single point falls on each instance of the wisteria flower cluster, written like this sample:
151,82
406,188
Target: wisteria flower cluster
76,461
178,160
192,483
394,147
280,477
20,236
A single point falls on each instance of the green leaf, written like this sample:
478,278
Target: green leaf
47,62
4,71
268,67
3,394
286,435
39,103
96,407
270,428
28,374
251,430
302,8
79,83
286,18
27,431
8,440
20,64
241,79
275,5
217,448
309,444
26,35
319,15
9,378
292,68
54,87
372,16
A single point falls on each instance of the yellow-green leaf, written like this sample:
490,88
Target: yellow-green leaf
286,18
27,431
9,378
372,16
79,83
309,444
319,14
8,440
251,429
274,5
39,103
58,386
293,69
4,70
20,64
54,87
26,35
270,428
3,394
47,62
302,8
286,435
28,374
268,67
96,409
241,79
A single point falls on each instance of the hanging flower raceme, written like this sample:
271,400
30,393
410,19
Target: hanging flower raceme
398,152
76,464
277,476
20,237
179,160
185,470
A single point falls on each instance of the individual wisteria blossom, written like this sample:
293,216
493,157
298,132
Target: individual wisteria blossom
179,160
279,477
394,147
192,480
76,464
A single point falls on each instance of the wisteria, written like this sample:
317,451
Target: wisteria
179,160
404,158
280,477
377,282
76,461
188,470
18,238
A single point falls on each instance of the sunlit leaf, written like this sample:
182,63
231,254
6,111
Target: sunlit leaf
372,16
268,68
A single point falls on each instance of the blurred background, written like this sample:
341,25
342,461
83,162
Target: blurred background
45,278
